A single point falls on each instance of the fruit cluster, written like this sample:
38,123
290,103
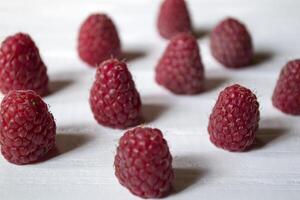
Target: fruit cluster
143,162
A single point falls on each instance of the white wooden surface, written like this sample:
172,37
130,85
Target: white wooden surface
83,166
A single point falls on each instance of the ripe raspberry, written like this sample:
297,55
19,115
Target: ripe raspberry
234,119
98,40
21,67
143,163
114,99
231,44
286,96
180,69
173,18
27,128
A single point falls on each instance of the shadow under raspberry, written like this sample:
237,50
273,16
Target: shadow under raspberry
261,57
130,55
200,33
185,177
58,85
214,83
267,136
153,111
66,142
187,172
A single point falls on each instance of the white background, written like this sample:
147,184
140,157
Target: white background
83,166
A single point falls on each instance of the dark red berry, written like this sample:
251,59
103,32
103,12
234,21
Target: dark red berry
234,120
180,69
27,128
143,163
286,96
21,67
114,99
173,18
98,40
231,44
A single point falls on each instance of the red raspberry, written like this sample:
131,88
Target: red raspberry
231,44
180,69
114,99
173,18
287,91
98,40
27,128
234,119
143,163
21,67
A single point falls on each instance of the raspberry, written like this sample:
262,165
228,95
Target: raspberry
98,40
180,69
143,163
114,99
27,128
234,119
231,44
173,18
287,91
21,67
